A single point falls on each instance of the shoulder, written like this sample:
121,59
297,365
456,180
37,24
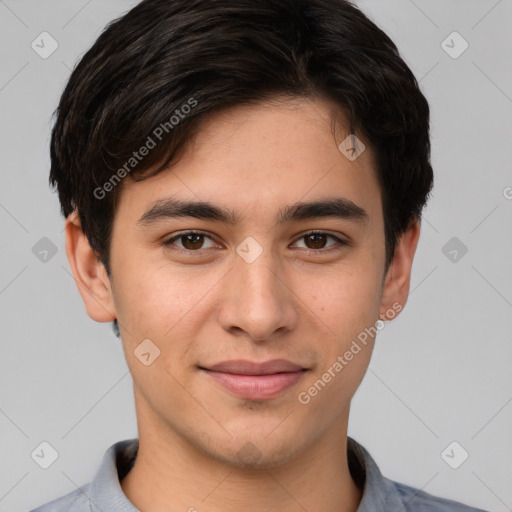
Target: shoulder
76,499
416,500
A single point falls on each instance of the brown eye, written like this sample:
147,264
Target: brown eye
317,242
187,241
193,241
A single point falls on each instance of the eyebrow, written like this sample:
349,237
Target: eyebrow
336,207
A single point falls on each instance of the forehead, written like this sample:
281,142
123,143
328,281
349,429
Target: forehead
273,154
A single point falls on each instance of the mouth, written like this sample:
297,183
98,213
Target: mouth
255,381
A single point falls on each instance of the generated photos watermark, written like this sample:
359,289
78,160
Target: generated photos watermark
151,142
355,348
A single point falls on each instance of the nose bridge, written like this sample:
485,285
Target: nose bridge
259,301
258,277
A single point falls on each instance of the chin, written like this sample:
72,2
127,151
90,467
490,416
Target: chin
256,455
257,449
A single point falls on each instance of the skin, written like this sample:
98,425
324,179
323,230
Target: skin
288,303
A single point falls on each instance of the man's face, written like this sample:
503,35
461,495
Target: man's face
257,290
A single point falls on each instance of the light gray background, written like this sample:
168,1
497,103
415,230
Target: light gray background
439,373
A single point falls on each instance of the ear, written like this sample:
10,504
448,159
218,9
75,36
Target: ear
398,278
89,273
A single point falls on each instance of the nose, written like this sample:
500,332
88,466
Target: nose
258,299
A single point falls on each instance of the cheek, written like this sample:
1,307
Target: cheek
159,306
346,310
161,303
348,301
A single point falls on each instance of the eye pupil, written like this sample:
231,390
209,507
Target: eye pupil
195,244
314,237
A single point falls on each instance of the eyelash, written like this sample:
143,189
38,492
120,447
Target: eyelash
168,243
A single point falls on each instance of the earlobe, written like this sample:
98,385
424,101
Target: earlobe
89,273
396,286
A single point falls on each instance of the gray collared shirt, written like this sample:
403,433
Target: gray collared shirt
380,494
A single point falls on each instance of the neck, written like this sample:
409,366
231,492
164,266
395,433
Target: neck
171,471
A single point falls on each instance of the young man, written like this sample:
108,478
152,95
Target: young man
242,184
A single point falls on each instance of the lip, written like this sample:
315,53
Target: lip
245,367
256,381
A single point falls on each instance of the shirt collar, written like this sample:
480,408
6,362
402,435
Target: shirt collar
379,493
